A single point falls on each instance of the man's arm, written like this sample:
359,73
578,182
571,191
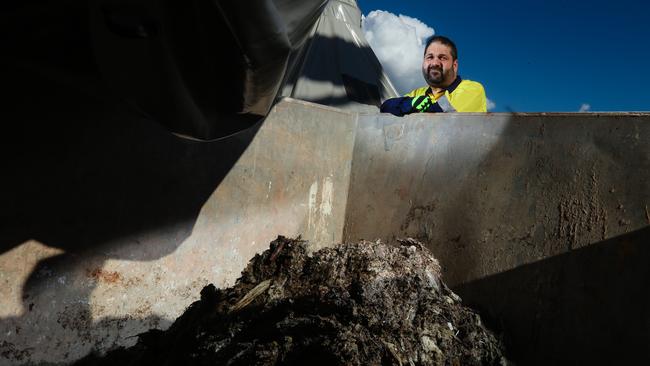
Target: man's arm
407,105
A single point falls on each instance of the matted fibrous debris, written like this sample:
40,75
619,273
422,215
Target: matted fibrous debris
365,303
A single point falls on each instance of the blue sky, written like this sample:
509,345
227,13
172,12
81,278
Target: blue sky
545,56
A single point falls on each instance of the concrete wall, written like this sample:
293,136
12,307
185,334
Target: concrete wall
112,225
491,192
135,221
539,220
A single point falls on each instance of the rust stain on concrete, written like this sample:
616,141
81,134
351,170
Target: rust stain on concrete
105,276
403,193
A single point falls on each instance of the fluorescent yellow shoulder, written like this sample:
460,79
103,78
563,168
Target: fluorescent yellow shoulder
417,92
469,96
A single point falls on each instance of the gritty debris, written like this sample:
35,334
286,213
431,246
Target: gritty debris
365,303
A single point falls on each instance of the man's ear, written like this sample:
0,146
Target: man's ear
455,66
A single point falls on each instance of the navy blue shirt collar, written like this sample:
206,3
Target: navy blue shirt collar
451,86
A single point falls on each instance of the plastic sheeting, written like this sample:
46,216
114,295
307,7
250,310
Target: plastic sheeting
336,66
209,69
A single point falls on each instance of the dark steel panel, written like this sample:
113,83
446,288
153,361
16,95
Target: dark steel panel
490,192
540,221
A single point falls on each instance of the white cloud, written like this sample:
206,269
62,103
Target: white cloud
585,107
490,104
398,41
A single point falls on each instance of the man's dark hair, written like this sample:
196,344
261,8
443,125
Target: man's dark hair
444,40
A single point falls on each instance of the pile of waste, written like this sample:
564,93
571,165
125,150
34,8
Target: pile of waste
365,303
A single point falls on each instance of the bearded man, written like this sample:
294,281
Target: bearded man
446,91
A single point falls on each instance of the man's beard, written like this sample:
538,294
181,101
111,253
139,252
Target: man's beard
436,76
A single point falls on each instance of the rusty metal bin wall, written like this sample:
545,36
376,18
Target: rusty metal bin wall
539,220
137,221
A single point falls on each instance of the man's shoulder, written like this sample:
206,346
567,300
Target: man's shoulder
417,92
471,85
465,84
469,96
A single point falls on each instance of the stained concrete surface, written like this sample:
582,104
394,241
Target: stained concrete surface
539,220
491,192
112,225
588,306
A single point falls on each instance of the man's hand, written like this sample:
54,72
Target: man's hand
421,104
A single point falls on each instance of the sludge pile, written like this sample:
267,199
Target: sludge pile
355,304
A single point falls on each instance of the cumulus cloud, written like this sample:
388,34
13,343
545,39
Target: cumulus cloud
490,104
584,107
398,41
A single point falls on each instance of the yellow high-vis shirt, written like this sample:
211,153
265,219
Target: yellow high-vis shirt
463,95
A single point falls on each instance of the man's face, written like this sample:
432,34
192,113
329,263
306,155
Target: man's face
438,67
